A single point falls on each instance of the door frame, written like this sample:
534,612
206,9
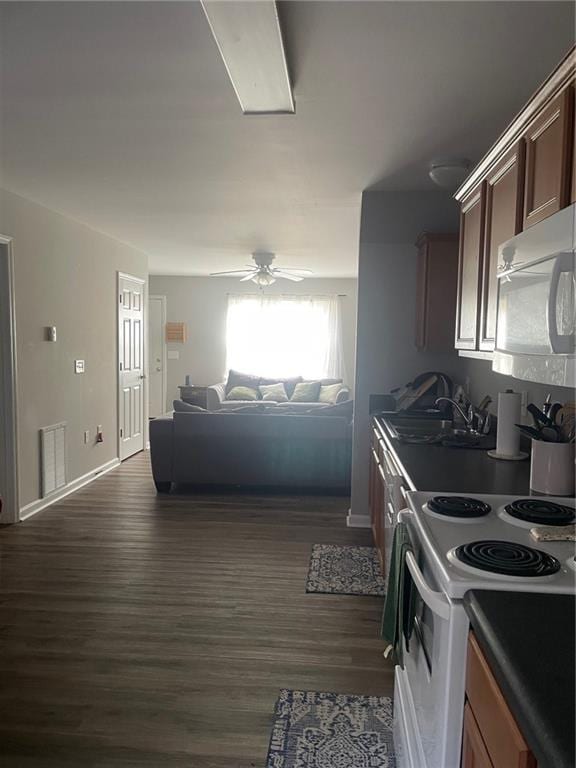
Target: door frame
162,300
144,283
8,383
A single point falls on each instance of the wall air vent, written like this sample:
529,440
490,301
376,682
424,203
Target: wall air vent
53,458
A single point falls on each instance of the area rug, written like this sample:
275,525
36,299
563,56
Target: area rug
331,730
348,570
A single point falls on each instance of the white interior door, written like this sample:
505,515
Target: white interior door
9,497
131,365
156,356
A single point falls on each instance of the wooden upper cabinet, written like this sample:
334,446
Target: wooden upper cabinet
436,290
549,141
504,209
471,253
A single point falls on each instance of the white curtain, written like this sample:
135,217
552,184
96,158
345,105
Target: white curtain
282,336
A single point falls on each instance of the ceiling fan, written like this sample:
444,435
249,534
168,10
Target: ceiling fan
263,273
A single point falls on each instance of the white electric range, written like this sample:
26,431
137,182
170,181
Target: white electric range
462,543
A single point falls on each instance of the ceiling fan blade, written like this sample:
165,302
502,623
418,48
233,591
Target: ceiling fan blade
286,276
235,272
296,271
249,276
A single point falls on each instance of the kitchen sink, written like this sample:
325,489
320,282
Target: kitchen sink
402,427
434,431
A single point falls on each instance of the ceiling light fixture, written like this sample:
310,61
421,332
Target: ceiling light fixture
449,174
249,38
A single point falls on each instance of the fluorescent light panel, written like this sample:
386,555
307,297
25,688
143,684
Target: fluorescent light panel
249,38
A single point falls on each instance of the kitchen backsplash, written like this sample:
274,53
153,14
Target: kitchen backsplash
483,381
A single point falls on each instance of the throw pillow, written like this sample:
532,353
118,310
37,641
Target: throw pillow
306,392
181,406
289,384
242,393
329,393
274,392
238,379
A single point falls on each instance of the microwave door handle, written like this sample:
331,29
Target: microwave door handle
434,600
564,262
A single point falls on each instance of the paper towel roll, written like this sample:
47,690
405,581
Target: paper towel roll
508,436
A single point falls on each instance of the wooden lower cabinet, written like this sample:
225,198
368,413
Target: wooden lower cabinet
474,752
377,497
491,737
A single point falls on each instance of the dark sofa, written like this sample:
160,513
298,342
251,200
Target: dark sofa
255,449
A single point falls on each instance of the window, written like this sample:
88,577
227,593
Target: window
282,336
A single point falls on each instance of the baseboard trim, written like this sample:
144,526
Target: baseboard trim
357,521
74,485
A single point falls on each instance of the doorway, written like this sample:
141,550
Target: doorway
131,366
9,497
156,356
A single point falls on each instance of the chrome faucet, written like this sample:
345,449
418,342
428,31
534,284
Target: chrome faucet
476,420
468,417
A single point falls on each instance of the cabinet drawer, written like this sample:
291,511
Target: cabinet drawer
500,733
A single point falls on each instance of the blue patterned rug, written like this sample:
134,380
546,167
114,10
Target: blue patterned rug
348,570
330,730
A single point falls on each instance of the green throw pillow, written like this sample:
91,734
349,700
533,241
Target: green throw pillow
329,393
242,393
306,392
275,392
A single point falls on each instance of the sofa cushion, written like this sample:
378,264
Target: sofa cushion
345,409
306,392
329,393
274,392
238,379
180,405
242,393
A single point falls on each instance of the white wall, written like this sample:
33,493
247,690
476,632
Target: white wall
65,275
385,353
201,303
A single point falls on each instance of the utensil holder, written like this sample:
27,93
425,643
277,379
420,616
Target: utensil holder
552,468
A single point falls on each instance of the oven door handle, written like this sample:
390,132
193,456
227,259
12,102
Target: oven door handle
434,600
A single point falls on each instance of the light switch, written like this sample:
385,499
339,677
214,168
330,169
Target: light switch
173,354
78,366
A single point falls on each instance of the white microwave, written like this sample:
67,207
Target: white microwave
536,319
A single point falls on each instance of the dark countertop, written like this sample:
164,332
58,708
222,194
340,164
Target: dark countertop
529,642
457,470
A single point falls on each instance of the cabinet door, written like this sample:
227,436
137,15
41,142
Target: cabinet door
504,208
469,268
474,752
548,158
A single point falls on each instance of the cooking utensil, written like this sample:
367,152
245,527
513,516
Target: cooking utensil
539,416
554,411
529,431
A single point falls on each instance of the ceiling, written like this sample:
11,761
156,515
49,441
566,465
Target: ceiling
121,115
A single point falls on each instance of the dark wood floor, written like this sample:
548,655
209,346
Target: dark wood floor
144,631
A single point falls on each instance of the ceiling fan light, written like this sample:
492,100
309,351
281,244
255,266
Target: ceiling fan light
263,279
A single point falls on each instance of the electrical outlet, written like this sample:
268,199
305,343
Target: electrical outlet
86,436
99,434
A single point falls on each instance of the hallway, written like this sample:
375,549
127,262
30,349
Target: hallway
148,631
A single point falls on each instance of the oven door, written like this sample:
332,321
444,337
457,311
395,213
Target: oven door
430,699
